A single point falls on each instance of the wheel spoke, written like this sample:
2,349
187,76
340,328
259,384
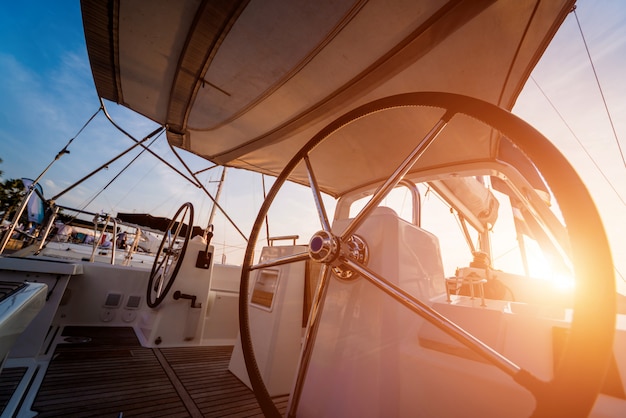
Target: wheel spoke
158,288
167,265
396,177
435,318
157,285
594,314
309,337
317,196
179,227
169,239
293,258
168,260
161,262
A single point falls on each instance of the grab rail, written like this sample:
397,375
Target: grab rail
96,242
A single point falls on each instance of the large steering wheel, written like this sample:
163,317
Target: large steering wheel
580,373
170,255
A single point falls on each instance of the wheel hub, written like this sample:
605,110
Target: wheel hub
323,247
326,248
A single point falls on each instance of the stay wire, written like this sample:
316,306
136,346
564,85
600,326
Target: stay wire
123,170
579,142
137,183
595,74
64,150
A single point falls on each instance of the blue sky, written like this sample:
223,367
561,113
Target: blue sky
581,128
47,94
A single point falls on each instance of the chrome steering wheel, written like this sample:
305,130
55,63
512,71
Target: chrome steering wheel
579,374
170,255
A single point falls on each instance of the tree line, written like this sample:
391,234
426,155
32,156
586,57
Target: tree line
12,191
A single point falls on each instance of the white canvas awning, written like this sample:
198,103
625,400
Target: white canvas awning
247,84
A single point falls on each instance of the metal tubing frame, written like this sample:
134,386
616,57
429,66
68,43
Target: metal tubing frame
317,196
435,318
581,323
198,184
143,146
96,241
9,232
308,340
137,143
396,177
48,228
415,199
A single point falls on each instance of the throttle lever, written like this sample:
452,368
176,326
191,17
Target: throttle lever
178,295
204,257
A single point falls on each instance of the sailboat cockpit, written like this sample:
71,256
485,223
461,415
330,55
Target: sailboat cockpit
455,263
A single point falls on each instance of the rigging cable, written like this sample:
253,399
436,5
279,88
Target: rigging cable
137,183
64,150
31,189
610,121
579,142
600,89
121,171
619,273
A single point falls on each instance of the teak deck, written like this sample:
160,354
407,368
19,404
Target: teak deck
113,376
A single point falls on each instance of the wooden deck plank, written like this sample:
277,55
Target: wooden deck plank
10,378
212,383
112,374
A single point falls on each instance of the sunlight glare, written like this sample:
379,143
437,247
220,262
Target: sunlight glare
541,268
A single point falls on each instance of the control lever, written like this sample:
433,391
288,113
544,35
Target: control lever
204,257
192,298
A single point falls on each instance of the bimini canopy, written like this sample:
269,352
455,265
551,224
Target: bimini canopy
247,83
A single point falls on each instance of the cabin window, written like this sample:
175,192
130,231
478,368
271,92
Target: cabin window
265,288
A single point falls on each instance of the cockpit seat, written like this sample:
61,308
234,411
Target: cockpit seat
403,253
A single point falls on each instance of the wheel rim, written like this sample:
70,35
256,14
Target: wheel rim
168,261
580,371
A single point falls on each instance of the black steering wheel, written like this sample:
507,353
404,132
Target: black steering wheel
580,372
170,255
